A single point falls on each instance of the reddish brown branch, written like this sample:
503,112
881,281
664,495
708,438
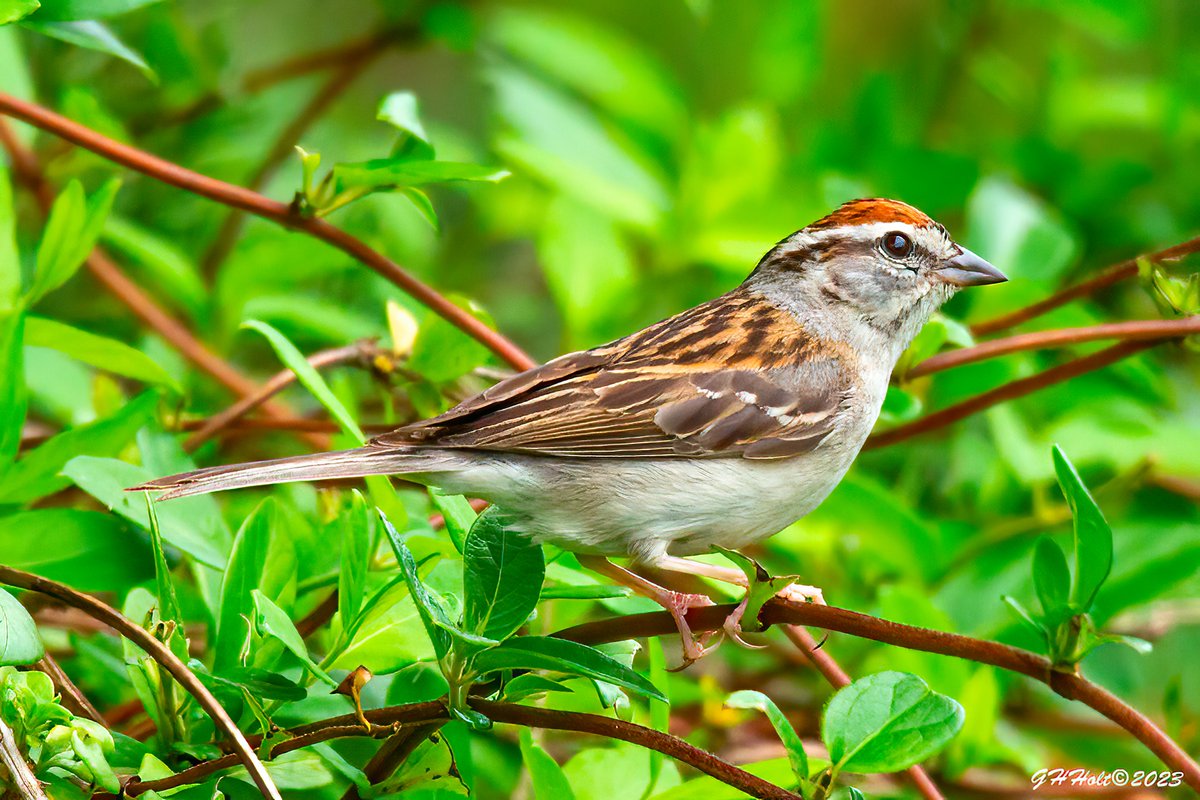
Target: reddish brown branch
1009,391
1114,274
255,203
782,612
160,653
1136,331
353,64
383,719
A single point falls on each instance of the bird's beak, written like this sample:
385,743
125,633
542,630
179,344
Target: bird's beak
968,269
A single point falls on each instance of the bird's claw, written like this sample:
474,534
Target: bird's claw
694,649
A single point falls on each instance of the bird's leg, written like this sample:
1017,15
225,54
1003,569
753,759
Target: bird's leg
677,603
733,623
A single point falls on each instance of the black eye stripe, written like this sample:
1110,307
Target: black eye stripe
896,244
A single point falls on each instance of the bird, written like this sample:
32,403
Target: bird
714,428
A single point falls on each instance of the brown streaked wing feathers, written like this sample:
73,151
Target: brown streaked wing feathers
683,387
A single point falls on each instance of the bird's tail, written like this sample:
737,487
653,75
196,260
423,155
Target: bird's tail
355,463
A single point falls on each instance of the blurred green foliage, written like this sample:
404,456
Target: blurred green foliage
655,151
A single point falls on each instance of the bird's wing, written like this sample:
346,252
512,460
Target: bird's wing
729,378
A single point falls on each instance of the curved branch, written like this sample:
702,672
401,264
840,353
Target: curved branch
782,612
1114,274
160,653
241,198
1135,331
1009,391
386,722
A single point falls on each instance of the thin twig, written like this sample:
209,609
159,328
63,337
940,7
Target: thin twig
1114,274
351,67
1009,391
1138,330
837,678
273,386
778,611
255,203
160,653
26,783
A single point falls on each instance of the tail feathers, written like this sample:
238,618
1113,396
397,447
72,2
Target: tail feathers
355,463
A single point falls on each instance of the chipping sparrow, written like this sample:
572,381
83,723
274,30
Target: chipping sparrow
719,426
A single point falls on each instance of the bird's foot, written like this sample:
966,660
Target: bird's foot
677,605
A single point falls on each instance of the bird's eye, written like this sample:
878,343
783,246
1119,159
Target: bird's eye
897,244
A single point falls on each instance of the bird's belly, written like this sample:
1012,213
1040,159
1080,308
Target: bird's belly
647,508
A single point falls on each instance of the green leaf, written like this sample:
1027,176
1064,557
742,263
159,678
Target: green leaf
71,232
13,10
531,684
91,35
546,776
14,399
89,550
254,564
99,351
10,261
560,655
168,600
433,616
382,173
1022,612
503,573
388,634
355,523
441,352
60,10
887,722
189,526
1052,580
273,620
1093,536
783,728
19,640
399,109
457,513
38,473
309,377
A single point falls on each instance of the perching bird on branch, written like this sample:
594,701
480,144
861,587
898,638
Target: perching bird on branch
717,427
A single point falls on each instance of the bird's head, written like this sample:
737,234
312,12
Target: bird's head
878,262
